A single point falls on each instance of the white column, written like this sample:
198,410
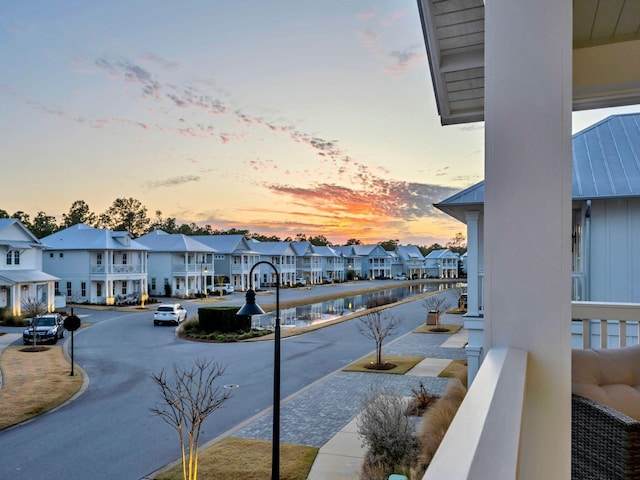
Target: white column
473,322
528,62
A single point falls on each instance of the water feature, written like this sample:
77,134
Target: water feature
314,313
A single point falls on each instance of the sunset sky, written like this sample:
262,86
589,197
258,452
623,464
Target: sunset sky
281,117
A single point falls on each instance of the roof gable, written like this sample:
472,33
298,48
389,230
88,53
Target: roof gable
84,237
161,241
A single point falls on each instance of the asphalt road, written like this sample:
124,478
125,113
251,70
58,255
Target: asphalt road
109,432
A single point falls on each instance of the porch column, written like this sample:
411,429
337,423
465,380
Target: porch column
528,74
473,322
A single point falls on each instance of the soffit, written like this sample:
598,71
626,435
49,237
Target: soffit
606,50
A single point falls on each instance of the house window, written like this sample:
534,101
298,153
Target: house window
50,254
166,281
56,288
69,292
83,289
177,284
99,289
16,257
153,283
61,254
124,288
124,258
98,259
9,257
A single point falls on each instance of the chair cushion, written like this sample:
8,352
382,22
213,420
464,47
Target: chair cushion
608,376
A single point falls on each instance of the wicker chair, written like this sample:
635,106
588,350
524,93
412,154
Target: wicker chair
605,444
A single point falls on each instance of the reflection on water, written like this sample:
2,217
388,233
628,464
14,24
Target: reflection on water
315,313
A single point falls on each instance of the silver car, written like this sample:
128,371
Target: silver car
48,329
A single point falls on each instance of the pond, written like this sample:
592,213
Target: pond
314,313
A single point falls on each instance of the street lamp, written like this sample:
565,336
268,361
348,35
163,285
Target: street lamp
204,287
252,308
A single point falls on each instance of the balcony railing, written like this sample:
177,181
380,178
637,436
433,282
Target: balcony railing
498,392
604,324
469,448
194,268
104,269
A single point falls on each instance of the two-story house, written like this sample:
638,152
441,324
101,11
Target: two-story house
442,264
332,263
282,256
21,276
412,260
308,262
233,260
178,265
96,265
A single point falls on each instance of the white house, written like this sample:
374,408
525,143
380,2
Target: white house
332,263
96,265
376,261
412,260
177,264
282,256
21,276
234,259
352,262
308,262
522,67
442,264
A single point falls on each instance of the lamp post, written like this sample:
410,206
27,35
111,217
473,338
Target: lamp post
252,308
203,286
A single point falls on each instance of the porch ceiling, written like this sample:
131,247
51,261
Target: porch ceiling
606,50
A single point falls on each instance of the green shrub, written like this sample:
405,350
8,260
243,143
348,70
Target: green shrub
223,320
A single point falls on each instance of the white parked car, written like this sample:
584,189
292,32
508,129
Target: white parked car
225,288
171,313
402,276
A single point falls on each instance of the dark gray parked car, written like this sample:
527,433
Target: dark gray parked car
49,328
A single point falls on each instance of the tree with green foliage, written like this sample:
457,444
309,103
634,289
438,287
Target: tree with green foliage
319,241
126,214
4,214
79,212
24,218
457,244
427,250
44,225
353,241
390,245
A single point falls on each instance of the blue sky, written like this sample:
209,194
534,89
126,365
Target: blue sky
281,117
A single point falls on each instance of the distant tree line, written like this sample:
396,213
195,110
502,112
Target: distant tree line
128,214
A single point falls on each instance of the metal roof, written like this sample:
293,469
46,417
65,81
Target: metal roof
84,237
606,164
160,241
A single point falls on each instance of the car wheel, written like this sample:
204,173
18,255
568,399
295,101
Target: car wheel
156,323
55,340
62,334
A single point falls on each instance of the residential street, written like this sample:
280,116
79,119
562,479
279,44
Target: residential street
109,432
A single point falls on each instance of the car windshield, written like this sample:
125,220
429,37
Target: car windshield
45,322
165,309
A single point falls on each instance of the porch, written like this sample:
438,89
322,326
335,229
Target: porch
489,422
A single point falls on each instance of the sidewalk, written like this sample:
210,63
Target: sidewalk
307,420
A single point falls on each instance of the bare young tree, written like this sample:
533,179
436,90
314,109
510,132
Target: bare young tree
32,308
377,327
187,399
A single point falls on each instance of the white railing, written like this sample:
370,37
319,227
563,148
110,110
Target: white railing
604,324
198,268
118,269
491,411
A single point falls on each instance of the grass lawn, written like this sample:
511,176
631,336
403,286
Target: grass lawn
448,329
33,383
402,364
235,458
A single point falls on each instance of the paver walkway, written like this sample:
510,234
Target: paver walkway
306,419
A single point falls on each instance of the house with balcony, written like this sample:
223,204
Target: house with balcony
442,263
352,262
308,262
282,256
96,265
332,263
178,265
375,261
412,261
605,228
22,278
522,67
233,260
